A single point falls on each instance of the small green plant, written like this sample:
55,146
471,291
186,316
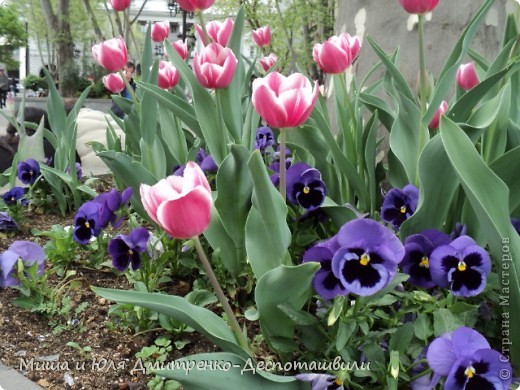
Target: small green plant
153,357
34,82
84,351
61,248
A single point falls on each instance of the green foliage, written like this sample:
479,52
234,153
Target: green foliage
34,82
13,33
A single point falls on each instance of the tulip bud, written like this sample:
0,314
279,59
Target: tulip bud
195,5
284,101
219,32
418,6
215,66
168,76
160,31
180,205
120,5
111,54
181,48
114,82
467,76
262,36
434,123
268,62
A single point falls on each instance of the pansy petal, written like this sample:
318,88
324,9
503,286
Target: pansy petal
467,341
441,355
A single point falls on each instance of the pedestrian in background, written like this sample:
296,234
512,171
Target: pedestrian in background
4,87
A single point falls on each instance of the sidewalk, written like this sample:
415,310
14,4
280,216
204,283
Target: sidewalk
12,380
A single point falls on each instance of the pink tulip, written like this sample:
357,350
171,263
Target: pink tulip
467,76
262,36
114,82
434,123
219,32
180,205
160,31
168,76
120,5
181,48
337,53
284,101
111,55
215,66
418,6
195,5
268,62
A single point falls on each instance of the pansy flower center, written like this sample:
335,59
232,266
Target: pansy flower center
365,259
462,266
130,252
306,190
13,198
403,209
469,372
424,262
87,225
338,382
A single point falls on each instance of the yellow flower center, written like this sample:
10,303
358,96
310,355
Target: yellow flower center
403,209
469,372
306,190
462,266
338,382
87,225
424,262
365,259
130,252
12,199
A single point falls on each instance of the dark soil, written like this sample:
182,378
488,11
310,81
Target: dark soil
28,337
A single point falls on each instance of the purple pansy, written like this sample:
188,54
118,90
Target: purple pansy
459,230
324,282
28,171
7,223
462,266
417,251
321,381
466,359
28,252
368,256
205,161
275,167
15,194
516,224
127,249
79,171
305,187
86,222
110,203
264,138
399,205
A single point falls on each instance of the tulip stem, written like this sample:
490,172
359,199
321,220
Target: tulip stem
283,168
422,64
207,39
242,340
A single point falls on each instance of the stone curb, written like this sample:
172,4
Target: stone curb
11,379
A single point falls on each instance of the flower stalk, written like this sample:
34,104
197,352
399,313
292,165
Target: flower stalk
422,64
283,167
242,340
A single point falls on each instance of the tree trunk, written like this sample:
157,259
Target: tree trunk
67,72
93,19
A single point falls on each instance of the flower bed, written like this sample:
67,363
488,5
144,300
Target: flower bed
311,262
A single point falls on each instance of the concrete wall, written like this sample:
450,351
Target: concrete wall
390,26
94,104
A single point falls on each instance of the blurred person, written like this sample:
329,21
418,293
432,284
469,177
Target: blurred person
4,87
128,71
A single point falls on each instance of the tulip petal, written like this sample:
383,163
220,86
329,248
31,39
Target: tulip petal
188,216
268,106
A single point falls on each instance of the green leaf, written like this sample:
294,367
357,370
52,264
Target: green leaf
401,339
173,136
224,371
507,168
298,317
489,198
422,327
449,69
153,157
495,138
217,236
215,135
282,285
267,235
234,187
444,321
202,320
